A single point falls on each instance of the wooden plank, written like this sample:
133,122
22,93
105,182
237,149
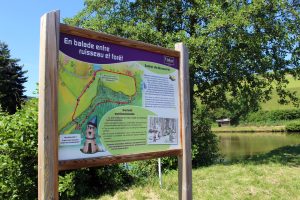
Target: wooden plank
116,40
47,130
94,162
185,161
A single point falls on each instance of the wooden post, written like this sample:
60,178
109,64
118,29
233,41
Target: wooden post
48,135
185,160
159,172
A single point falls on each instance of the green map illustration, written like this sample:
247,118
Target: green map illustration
86,90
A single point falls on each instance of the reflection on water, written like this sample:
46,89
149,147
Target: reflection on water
240,145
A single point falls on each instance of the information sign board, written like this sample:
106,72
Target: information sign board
105,99
115,99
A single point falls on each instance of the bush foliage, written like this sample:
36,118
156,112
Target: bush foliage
18,153
274,115
74,184
204,142
293,127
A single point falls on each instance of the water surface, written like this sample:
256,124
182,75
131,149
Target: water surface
241,145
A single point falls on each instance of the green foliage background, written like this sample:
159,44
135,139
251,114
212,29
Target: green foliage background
274,115
18,153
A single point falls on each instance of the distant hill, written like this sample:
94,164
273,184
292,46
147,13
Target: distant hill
294,85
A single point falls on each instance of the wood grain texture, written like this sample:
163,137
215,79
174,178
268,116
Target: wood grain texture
116,40
48,126
94,162
185,161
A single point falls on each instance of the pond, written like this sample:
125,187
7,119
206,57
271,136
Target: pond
241,145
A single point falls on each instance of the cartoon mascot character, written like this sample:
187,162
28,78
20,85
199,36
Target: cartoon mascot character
90,146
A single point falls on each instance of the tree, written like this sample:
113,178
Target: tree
240,51
11,81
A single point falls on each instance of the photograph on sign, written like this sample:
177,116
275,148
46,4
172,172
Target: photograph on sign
115,99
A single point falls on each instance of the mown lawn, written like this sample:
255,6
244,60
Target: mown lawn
275,175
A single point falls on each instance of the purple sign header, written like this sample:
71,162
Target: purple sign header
98,52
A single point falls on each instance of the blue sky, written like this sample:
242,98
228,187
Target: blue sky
20,29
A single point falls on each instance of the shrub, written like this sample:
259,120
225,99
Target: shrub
285,114
74,184
142,170
275,115
204,143
293,127
18,153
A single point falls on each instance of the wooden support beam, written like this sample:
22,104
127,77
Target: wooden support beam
116,40
185,160
95,162
47,130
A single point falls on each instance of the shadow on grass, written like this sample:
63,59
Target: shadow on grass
287,155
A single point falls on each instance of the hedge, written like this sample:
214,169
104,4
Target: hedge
293,127
275,115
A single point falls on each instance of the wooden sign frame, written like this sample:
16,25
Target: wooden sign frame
48,164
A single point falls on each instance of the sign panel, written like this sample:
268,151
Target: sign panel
115,100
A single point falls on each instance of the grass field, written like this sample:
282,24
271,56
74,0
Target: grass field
274,175
294,86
